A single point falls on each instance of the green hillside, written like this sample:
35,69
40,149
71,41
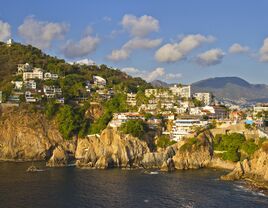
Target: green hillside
16,54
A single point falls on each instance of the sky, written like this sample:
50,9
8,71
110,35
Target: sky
173,40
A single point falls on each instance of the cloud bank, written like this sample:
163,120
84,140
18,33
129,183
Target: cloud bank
173,52
41,34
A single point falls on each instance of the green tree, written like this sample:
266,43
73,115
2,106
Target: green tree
136,128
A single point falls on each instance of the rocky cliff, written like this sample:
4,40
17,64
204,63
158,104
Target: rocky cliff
110,149
255,169
29,136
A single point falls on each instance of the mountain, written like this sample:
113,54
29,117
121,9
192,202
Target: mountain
233,89
159,83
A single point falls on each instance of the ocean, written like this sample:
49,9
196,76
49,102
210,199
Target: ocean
72,187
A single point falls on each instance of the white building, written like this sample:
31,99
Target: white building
120,118
204,97
31,84
24,68
52,91
9,42
184,127
260,107
17,84
51,76
29,98
131,99
99,81
37,73
88,86
183,91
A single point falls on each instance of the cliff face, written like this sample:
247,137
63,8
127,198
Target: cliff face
110,149
27,136
256,168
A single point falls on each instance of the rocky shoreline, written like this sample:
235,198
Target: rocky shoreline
30,137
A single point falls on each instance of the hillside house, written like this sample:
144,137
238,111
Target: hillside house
36,73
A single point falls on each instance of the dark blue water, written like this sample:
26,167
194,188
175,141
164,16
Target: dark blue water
72,187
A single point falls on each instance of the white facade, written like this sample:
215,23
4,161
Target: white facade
29,98
31,84
17,84
99,80
52,91
37,73
49,75
24,68
183,127
260,108
131,99
204,97
10,42
181,91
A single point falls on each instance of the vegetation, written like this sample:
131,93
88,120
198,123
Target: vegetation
164,141
190,144
234,146
136,128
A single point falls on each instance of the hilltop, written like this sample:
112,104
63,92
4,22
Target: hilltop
18,53
233,89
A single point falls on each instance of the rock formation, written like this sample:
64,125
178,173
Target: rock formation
110,149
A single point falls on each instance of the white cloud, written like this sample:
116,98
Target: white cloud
5,31
178,51
83,47
158,73
41,34
140,26
210,57
128,47
86,61
237,48
264,51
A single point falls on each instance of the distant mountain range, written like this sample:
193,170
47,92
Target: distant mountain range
229,89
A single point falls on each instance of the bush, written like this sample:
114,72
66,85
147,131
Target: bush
164,141
265,147
190,144
231,155
136,128
249,147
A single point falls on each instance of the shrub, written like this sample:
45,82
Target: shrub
265,147
136,128
249,147
231,155
190,144
164,141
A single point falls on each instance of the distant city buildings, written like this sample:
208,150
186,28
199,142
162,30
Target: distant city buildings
204,97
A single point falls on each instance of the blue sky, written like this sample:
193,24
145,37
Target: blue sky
175,41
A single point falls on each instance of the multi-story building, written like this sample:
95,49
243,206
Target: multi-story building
36,73
204,97
260,107
31,84
131,99
24,68
52,91
29,97
183,127
17,85
183,91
